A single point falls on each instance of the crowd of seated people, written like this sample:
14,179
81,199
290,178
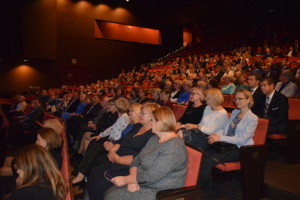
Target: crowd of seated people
135,155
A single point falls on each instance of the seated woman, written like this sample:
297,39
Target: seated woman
194,111
39,176
239,131
213,120
160,165
46,138
228,87
113,132
242,83
185,95
51,141
55,125
156,95
121,154
176,91
165,98
95,153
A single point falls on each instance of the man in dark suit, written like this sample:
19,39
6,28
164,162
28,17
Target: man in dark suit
219,74
72,105
267,72
27,124
76,121
275,107
253,83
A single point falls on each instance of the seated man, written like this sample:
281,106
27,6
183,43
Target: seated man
28,123
275,107
253,83
18,109
286,86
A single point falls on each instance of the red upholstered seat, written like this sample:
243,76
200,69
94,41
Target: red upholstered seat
179,111
258,138
193,166
226,100
277,136
231,103
294,108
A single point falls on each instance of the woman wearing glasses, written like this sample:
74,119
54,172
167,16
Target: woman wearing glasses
121,154
239,131
213,120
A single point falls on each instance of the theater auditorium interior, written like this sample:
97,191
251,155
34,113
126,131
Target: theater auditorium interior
88,81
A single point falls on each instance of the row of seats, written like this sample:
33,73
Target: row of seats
65,169
252,164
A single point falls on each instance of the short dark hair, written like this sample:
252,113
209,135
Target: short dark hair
269,80
256,75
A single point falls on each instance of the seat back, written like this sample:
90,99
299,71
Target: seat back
179,111
226,100
231,103
294,107
193,166
261,131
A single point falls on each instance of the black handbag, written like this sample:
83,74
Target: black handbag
222,147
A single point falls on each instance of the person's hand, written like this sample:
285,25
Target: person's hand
113,157
118,181
108,145
178,126
96,138
133,187
191,126
213,138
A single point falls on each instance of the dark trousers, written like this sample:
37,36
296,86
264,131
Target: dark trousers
97,184
94,155
211,158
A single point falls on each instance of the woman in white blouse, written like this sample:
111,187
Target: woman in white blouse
213,120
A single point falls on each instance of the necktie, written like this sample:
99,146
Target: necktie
266,106
251,90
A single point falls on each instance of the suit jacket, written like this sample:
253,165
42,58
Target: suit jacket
92,111
71,107
218,77
258,97
244,131
36,114
277,113
289,90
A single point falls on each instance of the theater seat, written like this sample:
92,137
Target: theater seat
190,191
259,138
179,111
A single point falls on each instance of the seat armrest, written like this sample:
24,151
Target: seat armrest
186,193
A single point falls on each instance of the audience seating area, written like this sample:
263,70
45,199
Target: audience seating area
65,169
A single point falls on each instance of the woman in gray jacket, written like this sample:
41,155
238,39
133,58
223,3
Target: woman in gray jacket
239,131
160,165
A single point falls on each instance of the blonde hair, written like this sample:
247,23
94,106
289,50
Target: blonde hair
150,106
136,107
122,105
54,124
188,83
166,117
39,167
247,94
51,137
200,91
215,95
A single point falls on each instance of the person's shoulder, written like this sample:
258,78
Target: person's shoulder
32,192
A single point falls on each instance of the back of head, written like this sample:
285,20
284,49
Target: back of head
38,167
166,118
51,137
122,105
54,124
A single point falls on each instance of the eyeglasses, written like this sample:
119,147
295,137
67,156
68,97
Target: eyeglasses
193,93
145,113
238,99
